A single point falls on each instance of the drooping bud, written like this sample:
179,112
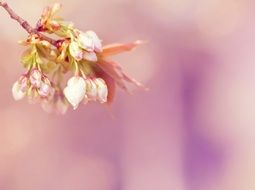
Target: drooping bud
17,92
35,78
102,91
23,83
44,90
75,91
90,41
75,51
96,41
91,89
86,42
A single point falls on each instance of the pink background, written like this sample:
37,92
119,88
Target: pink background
195,128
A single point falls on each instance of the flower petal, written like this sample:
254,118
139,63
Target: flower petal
115,71
114,49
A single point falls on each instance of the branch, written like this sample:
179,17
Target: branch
26,25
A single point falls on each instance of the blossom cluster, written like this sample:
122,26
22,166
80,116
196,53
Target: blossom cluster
93,76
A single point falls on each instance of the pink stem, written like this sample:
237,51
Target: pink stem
26,25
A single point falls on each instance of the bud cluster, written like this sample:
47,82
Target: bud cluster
79,89
93,76
85,46
34,85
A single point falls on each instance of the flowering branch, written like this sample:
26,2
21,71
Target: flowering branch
47,61
25,24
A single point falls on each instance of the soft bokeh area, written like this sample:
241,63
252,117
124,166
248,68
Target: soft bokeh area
194,129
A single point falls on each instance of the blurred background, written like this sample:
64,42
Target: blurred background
194,129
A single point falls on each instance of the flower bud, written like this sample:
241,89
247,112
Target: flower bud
96,41
91,89
44,90
23,83
35,78
75,90
102,91
17,93
90,41
85,42
75,51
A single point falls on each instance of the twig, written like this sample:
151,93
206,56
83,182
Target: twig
26,25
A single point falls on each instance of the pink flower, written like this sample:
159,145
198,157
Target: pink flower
35,78
44,90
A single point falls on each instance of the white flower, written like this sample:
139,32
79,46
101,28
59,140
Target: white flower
90,41
75,91
102,91
75,51
17,92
